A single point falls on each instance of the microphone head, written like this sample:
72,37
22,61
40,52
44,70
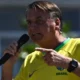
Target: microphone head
23,39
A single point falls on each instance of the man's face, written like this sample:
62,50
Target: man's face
40,27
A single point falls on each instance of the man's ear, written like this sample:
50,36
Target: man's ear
58,23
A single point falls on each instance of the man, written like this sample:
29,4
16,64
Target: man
57,58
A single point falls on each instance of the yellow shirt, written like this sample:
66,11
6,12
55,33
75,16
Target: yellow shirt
34,67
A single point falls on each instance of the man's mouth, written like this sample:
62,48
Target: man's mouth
37,36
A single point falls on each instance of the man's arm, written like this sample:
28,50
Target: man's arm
7,67
65,64
77,70
52,58
7,70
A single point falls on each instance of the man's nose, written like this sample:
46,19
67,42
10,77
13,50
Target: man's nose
33,26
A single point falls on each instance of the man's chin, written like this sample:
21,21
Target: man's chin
36,40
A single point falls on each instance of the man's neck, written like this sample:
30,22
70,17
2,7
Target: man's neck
54,43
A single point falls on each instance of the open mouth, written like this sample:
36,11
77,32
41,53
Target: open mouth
37,36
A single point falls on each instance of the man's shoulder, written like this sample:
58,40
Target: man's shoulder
76,41
72,45
76,49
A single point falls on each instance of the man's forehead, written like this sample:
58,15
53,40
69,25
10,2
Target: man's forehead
36,13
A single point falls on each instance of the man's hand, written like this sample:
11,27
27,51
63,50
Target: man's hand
12,49
53,58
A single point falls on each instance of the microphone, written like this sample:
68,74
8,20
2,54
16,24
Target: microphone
23,39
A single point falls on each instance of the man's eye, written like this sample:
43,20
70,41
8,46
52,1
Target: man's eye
39,21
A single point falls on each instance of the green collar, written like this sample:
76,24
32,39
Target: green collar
62,44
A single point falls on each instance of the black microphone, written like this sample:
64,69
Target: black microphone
23,39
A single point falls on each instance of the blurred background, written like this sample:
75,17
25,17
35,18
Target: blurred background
13,24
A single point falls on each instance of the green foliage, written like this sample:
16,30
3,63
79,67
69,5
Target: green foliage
29,47
66,27
23,23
